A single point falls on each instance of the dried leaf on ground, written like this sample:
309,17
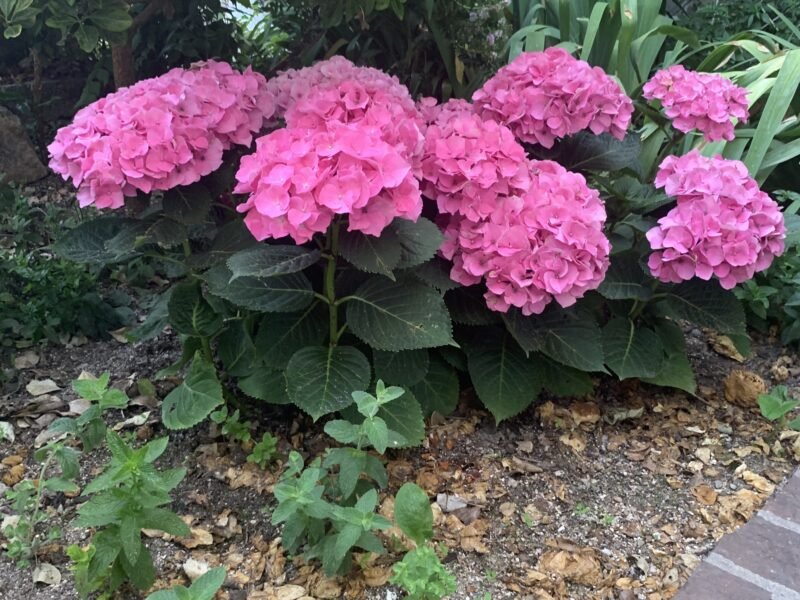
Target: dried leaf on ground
47,574
584,413
705,494
724,346
743,388
581,567
26,360
37,387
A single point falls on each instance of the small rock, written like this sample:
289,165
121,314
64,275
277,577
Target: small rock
18,159
47,574
195,569
450,502
37,387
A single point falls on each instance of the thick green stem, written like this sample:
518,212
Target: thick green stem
330,282
205,344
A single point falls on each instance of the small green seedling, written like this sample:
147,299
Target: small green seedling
265,451
776,404
205,588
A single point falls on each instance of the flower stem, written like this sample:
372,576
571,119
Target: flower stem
330,281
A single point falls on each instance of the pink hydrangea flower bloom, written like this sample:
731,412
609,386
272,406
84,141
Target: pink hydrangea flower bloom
299,179
468,163
542,245
703,101
543,96
723,226
160,133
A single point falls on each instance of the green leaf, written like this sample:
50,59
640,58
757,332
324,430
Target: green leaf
207,585
190,314
564,381
92,389
267,260
266,385
112,19
706,304
320,380
166,521
12,31
398,316
676,371
625,279
342,431
59,484
777,403
505,380
157,319
438,390
130,537
418,241
86,243
281,293
436,273
587,152
87,37
280,335
165,232
371,254
632,351
236,350
571,337
413,514
143,573
188,204
377,433
406,367
404,416
195,398
467,306
772,116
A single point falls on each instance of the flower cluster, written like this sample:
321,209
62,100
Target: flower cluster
469,163
160,133
702,101
352,145
544,244
723,225
299,179
542,96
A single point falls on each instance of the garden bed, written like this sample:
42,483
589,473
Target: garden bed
561,502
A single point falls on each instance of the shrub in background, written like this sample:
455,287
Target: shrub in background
384,238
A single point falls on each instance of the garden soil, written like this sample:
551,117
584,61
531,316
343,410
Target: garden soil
617,495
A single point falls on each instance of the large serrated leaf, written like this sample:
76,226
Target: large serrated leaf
625,279
506,380
438,390
399,316
86,243
631,350
268,261
406,367
571,337
265,385
371,254
236,350
467,306
706,304
195,398
587,152
188,204
282,293
419,241
280,335
190,314
676,371
320,380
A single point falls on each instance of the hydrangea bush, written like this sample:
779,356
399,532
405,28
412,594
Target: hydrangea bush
510,244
